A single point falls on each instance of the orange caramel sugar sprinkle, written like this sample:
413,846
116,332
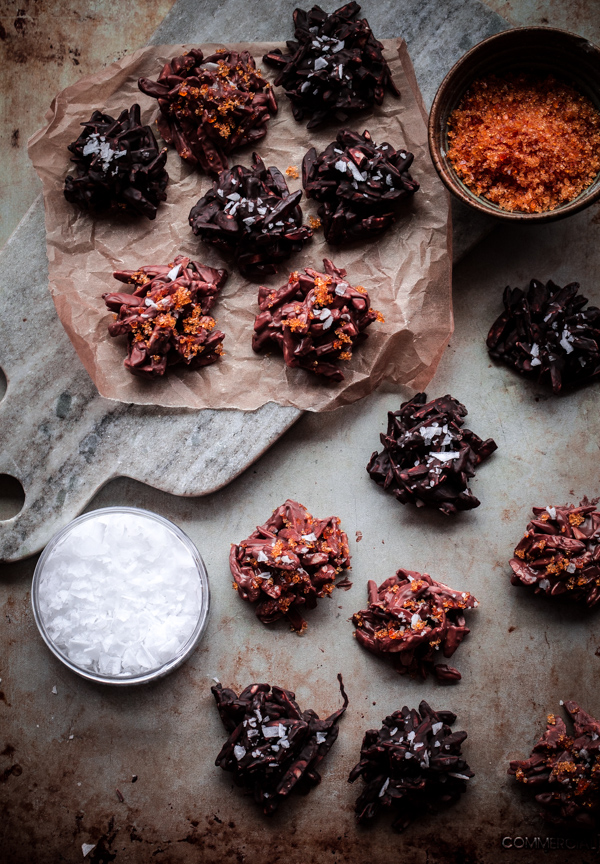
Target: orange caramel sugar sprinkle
525,143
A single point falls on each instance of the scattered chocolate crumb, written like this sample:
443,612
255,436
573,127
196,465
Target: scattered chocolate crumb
288,563
273,746
546,333
359,185
119,166
251,213
166,318
134,778
119,795
412,765
564,770
559,554
315,319
359,536
428,456
410,617
211,106
334,69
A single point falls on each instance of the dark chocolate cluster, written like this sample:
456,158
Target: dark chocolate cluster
410,617
119,166
315,319
273,747
359,185
251,213
547,333
211,106
288,563
335,68
560,553
166,318
412,765
428,456
564,770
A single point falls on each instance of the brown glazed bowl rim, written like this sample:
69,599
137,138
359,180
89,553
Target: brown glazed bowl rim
500,53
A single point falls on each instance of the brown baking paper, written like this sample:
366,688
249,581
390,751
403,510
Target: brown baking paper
407,272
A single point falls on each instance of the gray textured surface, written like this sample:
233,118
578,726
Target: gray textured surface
68,441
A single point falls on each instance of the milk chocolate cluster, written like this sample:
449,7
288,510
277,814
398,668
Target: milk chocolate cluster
335,68
359,185
412,765
564,770
409,618
211,106
315,319
560,553
273,747
166,319
288,563
428,456
546,333
119,166
251,213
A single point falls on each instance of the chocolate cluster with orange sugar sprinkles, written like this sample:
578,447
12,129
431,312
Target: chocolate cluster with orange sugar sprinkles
251,213
289,563
410,618
274,748
428,455
334,68
211,106
412,766
547,333
315,319
166,318
563,770
560,553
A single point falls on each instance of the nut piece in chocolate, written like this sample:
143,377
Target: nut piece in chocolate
359,185
412,765
288,563
546,333
564,770
119,166
559,554
410,617
166,318
251,213
273,747
211,106
316,319
428,456
335,68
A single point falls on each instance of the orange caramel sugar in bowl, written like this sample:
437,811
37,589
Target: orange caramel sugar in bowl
525,142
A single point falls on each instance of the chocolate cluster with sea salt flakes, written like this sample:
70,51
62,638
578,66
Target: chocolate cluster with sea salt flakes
251,213
335,68
546,333
359,185
428,455
166,318
564,770
413,765
211,106
290,562
315,319
119,166
409,618
274,747
559,554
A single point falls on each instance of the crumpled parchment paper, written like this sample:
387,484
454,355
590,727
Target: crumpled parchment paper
407,271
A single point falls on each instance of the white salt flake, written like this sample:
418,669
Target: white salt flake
341,166
283,742
174,273
54,690
150,303
408,755
458,776
411,736
86,848
286,559
393,731
570,568
566,340
321,737
544,584
261,557
535,362
416,618
239,752
271,731
310,538
320,63
338,46
535,350
551,511
384,787
446,457
233,196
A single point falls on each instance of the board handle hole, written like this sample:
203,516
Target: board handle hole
12,497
